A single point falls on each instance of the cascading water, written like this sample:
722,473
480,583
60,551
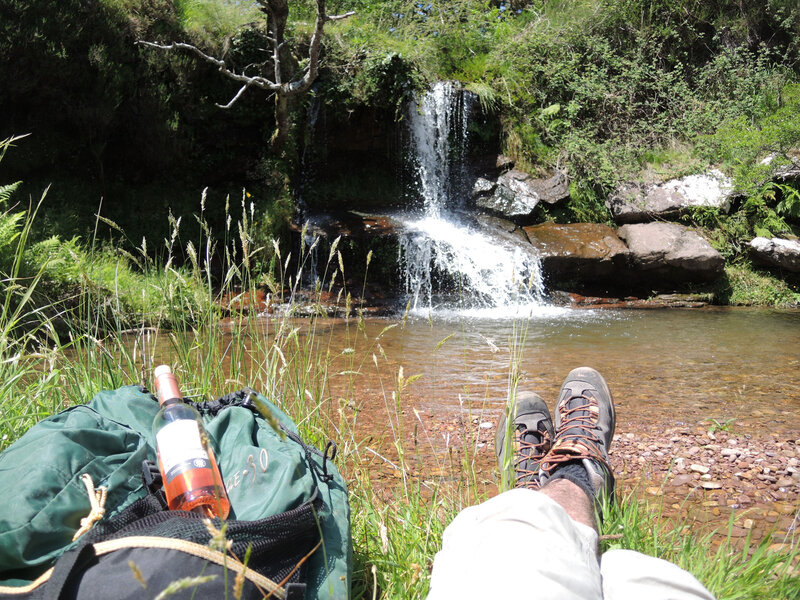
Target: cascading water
449,264
308,160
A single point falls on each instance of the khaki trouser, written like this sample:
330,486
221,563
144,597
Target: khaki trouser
522,544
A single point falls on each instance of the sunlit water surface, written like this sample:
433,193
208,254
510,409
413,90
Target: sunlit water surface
667,366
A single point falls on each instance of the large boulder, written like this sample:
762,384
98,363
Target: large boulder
582,255
516,194
637,203
502,228
667,254
777,252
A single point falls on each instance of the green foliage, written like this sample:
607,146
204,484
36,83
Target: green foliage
789,204
716,425
10,222
6,191
213,20
743,284
728,570
586,205
629,76
9,231
744,144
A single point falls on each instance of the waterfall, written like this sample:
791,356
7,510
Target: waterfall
448,263
309,163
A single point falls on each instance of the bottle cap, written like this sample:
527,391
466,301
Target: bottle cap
166,384
161,370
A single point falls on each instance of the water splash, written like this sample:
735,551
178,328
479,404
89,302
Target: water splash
448,263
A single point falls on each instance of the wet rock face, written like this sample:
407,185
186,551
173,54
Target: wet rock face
590,252
515,194
635,203
777,252
504,229
361,234
671,252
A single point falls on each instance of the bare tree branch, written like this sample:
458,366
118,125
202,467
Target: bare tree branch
248,80
277,13
340,17
236,97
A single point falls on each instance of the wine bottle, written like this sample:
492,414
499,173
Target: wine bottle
188,468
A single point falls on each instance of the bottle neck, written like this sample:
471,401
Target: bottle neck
167,388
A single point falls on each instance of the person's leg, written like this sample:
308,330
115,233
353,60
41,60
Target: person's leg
522,543
577,473
573,500
542,544
629,575
519,544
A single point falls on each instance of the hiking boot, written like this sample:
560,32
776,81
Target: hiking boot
533,435
584,426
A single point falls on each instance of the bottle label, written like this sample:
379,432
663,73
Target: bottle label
180,448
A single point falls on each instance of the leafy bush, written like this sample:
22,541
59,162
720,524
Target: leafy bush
745,285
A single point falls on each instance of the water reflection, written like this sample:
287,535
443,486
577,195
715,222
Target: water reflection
663,366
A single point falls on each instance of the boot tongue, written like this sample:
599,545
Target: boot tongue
582,417
529,436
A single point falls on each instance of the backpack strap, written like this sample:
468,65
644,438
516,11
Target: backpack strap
71,563
243,398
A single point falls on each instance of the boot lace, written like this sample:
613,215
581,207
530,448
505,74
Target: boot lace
580,444
528,456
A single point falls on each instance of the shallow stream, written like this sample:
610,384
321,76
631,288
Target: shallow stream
667,367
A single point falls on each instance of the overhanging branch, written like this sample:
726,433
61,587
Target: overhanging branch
236,97
248,80
277,12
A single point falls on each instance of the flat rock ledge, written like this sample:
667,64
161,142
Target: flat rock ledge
777,252
655,256
639,203
672,252
589,252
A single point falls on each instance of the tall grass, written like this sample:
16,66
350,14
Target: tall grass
397,527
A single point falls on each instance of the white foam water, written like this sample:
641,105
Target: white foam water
472,270
450,266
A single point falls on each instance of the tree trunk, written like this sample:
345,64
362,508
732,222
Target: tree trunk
281,133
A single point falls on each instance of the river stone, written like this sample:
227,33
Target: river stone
589,252
504,229
637,203
517,193
503,163
785,167
668,253
776,252
483,187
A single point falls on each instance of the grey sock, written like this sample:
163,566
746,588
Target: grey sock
575,472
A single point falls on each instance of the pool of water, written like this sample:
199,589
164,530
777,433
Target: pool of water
670,367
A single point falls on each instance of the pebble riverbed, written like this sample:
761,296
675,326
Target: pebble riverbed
734,484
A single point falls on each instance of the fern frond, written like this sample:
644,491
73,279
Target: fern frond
7,190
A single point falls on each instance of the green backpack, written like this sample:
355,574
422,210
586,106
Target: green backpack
289,521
